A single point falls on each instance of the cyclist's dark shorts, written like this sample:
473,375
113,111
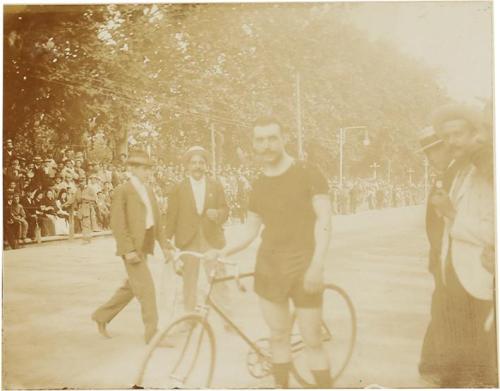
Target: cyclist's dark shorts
280,277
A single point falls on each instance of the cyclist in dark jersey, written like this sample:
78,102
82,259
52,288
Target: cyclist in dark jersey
290,200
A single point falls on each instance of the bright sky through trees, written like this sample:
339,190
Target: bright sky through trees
455,37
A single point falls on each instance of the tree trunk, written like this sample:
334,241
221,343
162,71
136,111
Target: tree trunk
121,145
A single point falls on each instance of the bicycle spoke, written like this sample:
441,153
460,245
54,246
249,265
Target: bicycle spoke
183,357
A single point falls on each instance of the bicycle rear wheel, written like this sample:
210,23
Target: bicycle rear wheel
338,336
181,356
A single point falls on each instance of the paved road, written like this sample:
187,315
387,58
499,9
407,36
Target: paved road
379,257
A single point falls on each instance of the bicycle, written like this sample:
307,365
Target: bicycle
183,352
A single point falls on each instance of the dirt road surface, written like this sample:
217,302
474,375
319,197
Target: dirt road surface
50,291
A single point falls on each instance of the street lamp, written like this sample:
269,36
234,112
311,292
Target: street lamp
410,171
342,135
375,165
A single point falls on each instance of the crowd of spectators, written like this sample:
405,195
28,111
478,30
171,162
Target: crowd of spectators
367,194
43,195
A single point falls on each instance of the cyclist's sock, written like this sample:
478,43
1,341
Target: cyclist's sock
323,378
280,373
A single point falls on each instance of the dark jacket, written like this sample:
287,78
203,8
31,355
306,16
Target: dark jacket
434,223
128,219
183,220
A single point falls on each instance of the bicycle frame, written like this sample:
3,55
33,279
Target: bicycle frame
295,346
210,304
224,316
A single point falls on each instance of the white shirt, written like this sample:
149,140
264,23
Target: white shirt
199,189
471,231
143,193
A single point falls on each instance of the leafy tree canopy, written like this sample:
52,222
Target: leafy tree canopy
164,74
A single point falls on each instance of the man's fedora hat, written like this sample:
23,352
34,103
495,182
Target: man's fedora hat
452,112
139,158
428,138
196,150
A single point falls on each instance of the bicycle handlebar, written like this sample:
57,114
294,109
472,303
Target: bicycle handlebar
179,253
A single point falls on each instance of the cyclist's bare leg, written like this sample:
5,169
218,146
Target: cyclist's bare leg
278,319
309,321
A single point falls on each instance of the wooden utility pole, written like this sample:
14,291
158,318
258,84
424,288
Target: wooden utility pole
410,171
375,165
214,157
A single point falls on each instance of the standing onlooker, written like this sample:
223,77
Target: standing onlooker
468,256
40,179
102,209
86,198
19,216
197,210
440,159
135,226
8,154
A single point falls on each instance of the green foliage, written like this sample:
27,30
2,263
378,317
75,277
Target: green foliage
178,69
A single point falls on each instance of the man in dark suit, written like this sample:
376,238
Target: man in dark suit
135,222
40,178
9,154
197,210
434,343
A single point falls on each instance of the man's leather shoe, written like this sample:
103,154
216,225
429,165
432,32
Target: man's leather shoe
101,327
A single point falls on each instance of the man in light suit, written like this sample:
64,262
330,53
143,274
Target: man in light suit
135,222
468,257
197,210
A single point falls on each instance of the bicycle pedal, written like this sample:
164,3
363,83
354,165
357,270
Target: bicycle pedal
202,309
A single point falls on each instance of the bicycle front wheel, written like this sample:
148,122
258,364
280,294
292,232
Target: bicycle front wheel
181,356
338,336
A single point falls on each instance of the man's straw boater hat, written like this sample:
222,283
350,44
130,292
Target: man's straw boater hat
196,150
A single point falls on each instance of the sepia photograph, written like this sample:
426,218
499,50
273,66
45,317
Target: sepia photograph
249,195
